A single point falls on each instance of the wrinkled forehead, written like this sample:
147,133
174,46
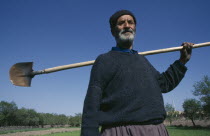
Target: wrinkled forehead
125,17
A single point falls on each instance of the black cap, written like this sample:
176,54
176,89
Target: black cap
116,15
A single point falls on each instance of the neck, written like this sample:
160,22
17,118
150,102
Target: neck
125,45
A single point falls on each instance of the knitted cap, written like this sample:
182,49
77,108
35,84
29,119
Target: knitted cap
116,15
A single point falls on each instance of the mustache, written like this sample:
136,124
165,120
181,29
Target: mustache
127,30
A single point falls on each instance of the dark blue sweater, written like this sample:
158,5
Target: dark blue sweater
126,89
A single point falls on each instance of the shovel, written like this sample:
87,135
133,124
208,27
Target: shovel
21,74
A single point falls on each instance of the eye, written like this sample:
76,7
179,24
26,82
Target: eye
120,22
130,21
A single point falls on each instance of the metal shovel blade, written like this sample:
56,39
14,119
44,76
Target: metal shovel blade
20,74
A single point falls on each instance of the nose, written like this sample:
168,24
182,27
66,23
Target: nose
126,25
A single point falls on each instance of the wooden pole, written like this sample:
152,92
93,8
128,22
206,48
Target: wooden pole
87,63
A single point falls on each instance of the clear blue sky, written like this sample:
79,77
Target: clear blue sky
58,32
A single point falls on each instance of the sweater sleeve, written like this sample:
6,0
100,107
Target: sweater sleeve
169,79
98,79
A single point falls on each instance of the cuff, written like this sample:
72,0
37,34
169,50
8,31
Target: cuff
180,65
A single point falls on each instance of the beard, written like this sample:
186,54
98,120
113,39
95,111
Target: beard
125,37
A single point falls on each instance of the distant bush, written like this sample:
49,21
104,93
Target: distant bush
10,115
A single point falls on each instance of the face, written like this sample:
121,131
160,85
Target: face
125,29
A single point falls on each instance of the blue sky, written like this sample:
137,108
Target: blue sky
58,32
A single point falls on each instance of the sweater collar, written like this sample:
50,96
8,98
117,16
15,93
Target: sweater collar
131,51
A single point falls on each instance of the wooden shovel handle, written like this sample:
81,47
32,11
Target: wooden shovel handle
81,64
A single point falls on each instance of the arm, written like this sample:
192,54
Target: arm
169,79
100,75
90,125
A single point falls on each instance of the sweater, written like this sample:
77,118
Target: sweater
126,89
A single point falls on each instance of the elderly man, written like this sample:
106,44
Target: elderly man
124,95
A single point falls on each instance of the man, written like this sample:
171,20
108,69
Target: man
124,95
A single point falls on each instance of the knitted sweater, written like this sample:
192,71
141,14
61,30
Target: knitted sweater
126,89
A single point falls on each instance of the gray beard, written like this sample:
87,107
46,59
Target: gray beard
125,39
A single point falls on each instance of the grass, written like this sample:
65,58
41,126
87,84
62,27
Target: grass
188,131
173,131
23,130
27,129
73,133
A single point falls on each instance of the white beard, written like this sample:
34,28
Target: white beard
125,38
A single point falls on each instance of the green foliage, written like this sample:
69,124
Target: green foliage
27,117
7,113
187,131
192,109
202,89
73,133
75,121
169,108
23,130
173,131
53,119
171,113
10,115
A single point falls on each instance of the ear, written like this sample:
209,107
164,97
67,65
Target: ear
113,31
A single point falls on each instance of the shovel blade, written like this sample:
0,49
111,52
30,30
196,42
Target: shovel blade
20,74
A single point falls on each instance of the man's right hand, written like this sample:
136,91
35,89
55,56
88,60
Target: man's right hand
185,52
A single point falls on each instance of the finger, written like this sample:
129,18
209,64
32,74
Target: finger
183,44
189,48
186,44
190,43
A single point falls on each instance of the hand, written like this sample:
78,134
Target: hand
185,52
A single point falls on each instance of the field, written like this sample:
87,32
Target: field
33,132
74,133
188,131
173,131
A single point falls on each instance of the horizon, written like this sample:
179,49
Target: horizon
54,33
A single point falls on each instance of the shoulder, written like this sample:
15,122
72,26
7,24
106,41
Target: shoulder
105,58
142,59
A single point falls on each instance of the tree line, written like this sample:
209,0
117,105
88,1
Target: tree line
194,108
10,115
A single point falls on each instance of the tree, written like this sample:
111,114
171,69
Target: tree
75,120
62,119
171,113
41,119
21,116
202,89
192,109
33,117
48,119
7,113
11,115
27,117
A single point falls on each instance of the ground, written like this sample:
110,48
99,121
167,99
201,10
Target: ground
41,132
